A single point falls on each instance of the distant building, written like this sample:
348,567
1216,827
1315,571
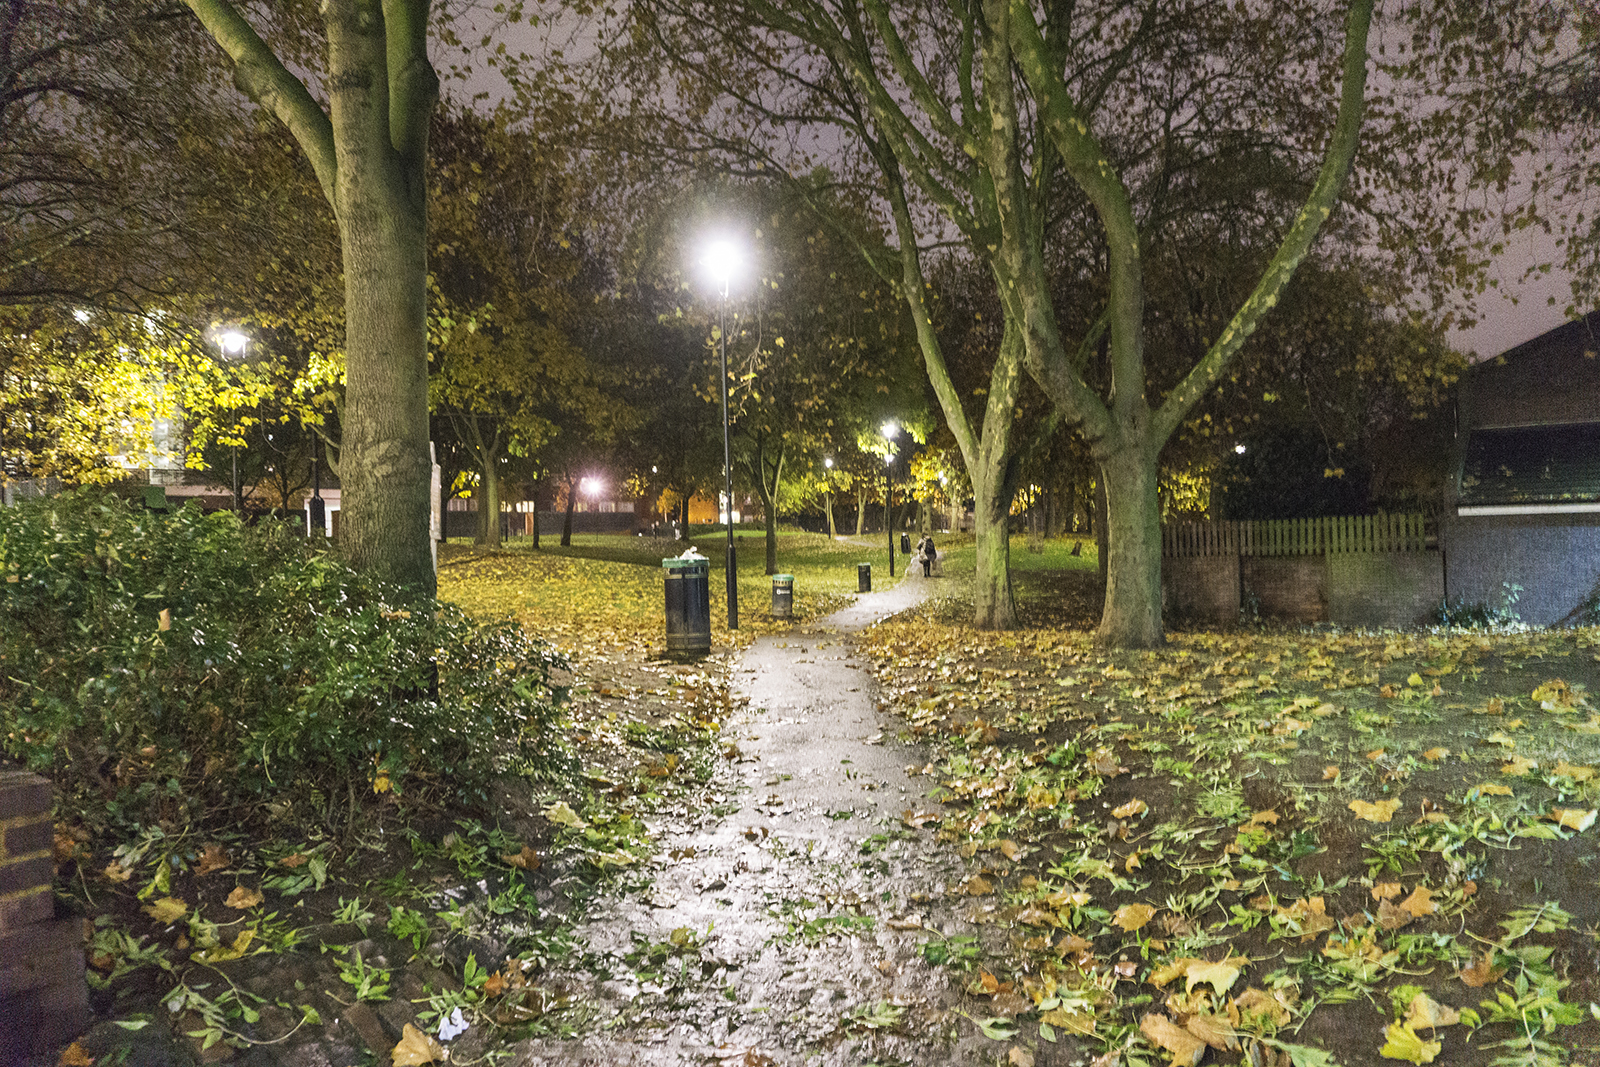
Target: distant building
1521,528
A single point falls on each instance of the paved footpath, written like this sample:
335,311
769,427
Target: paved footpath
790,932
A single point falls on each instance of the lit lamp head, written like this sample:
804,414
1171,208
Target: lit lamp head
233,343
722,259
828,462
890,428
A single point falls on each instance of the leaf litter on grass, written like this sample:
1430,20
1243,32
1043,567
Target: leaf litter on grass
1141,785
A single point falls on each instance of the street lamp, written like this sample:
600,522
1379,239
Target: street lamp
722,257
827,483
233,345
889,430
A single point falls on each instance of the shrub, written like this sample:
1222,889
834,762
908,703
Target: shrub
177,666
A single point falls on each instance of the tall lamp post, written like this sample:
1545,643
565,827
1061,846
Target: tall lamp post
233,344
889,430
722,257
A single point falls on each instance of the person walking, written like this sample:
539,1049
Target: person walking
927,554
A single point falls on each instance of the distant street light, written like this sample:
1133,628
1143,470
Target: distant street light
723,257
889,430
233,345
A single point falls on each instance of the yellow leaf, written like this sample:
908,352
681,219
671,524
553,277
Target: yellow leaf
978,886
562,815
1376,754
1329,773
167,910
243,897
1433,755
1382,811
117,873
527,859
1219,976
1493,790
1578,819
1404,1043
1414,679
1131,917
1577,772
1419,903
1386,890
416,1048
1019,1057
381,782
1518,767
1010,849
1132,863
1264,818
1185,1049
1131,808
1425,1013
1177,968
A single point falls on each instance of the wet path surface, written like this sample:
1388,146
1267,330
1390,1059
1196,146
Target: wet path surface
790,931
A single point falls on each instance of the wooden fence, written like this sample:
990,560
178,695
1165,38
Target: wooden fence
1297,537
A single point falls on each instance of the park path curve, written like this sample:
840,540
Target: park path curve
791,931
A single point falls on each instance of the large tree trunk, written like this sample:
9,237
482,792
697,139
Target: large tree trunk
1132,614
369,152
861,511
827,506
993,604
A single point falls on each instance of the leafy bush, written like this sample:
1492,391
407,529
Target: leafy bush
176,666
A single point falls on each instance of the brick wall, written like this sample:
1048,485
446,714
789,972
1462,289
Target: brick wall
1200,588
44,999
1288,588
1555,558
1384,588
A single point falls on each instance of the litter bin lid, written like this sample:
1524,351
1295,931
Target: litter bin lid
783,577
678,563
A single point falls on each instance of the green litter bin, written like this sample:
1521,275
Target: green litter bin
688,589
782,596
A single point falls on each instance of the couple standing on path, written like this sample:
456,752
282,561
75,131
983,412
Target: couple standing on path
801,918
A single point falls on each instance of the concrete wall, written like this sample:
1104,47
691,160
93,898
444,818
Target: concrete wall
44,999
1384,588
1555,558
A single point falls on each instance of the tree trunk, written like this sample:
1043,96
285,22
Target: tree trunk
1132,614
861,511
993,604
369,152
566,524
1102,544
827,506
489,504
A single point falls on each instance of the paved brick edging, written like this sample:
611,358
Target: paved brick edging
44,999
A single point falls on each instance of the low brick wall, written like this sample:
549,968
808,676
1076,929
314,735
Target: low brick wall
44,999
1384,588
1554,558
1348,588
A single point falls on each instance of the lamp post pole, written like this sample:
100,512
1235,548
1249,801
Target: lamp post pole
889,431
234,342
732,566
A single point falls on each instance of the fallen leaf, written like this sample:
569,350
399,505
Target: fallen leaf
1425,1013
1214,1030
1419,903
1404,1043
1330,773
296,860
1309,916
1577,772
1264,818
74,1056
1433,755
1391,917
416,1048
1132,863
1481,973
1382,811
1010,849
1162,1032
1376,754
978,886
1494,790
918,819
243,897
1553,694
562,815
1518,767
1259,1002
1387,890
1130,809
1579,819
527,859
213,858
1220,976
1131,917
1019,1057
167,910
117,873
